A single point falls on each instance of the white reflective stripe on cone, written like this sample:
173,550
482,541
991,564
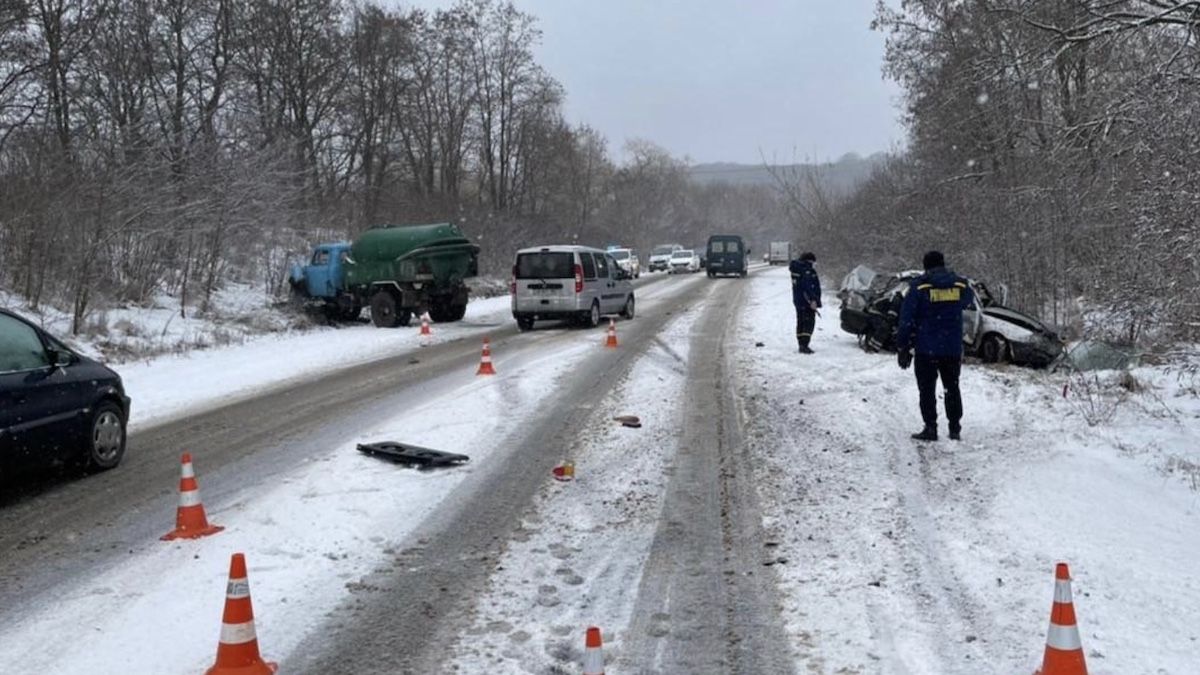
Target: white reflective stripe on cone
187,471
1062,592
237,589
189,498
237,633
1063,638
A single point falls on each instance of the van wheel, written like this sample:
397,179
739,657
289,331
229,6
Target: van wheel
383,310
524,323
627,312
593,316
106,437
994,349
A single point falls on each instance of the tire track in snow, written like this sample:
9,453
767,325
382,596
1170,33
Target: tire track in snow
706,603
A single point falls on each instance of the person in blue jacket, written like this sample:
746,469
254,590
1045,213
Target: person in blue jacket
931,324
806,296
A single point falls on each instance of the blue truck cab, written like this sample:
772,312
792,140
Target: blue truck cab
323,280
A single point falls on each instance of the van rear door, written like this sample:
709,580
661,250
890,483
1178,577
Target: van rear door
545,281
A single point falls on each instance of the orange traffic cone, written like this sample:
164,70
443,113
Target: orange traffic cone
611,342
593,656
237,651
190,521
1064,650
485,361
425,324
564,472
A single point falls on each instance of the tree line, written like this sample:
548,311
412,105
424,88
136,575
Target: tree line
1052,146
167,146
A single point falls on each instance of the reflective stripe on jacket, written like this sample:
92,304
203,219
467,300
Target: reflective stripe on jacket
931,319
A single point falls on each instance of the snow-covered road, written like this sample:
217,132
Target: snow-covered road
771,514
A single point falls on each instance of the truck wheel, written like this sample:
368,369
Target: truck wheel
446,312
383,310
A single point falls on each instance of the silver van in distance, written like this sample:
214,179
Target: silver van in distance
578,284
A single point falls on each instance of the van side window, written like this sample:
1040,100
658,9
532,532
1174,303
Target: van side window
601,266
589,266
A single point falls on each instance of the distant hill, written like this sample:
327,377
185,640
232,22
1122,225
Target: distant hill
841,176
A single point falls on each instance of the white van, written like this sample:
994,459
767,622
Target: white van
573,283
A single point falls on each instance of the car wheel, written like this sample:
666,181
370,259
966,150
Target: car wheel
106,437
593,316
994,349
627,312
524,323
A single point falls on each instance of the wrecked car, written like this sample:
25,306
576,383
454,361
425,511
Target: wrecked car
996,334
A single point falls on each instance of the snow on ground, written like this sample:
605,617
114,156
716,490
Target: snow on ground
221,376
939,558
578,555
332,520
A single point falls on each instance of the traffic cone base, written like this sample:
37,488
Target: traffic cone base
1064,649
190,520
425,324
237,650
564,472
485,360
593,656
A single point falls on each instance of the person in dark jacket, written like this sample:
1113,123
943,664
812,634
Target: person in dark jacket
931,324
806,296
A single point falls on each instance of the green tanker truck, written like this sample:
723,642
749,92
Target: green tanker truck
396,270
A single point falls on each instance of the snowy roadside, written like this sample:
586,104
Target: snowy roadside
578,555
165,387
939,558
308,538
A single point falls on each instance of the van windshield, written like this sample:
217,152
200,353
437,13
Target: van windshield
545,265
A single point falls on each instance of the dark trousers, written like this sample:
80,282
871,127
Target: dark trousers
928,370
806,321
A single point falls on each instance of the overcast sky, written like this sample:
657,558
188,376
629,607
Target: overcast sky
718,80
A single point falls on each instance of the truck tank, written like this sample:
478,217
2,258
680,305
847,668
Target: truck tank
438,253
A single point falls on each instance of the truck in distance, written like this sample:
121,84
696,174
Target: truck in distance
780,253
395,270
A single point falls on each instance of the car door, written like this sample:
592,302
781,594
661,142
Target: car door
41,406
618,288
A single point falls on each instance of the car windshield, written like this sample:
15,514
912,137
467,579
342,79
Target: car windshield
620,254
682,255
545,265
662,250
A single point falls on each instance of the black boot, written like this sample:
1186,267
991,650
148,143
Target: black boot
956,433
926,434
804,349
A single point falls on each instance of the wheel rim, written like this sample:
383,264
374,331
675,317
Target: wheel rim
629,308
106,436
595,315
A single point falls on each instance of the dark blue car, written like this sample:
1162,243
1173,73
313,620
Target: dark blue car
56,406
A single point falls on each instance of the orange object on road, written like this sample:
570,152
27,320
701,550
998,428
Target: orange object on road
564,472
237,651
611,342
593,656
425,324
190,520
485,361
1064,650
